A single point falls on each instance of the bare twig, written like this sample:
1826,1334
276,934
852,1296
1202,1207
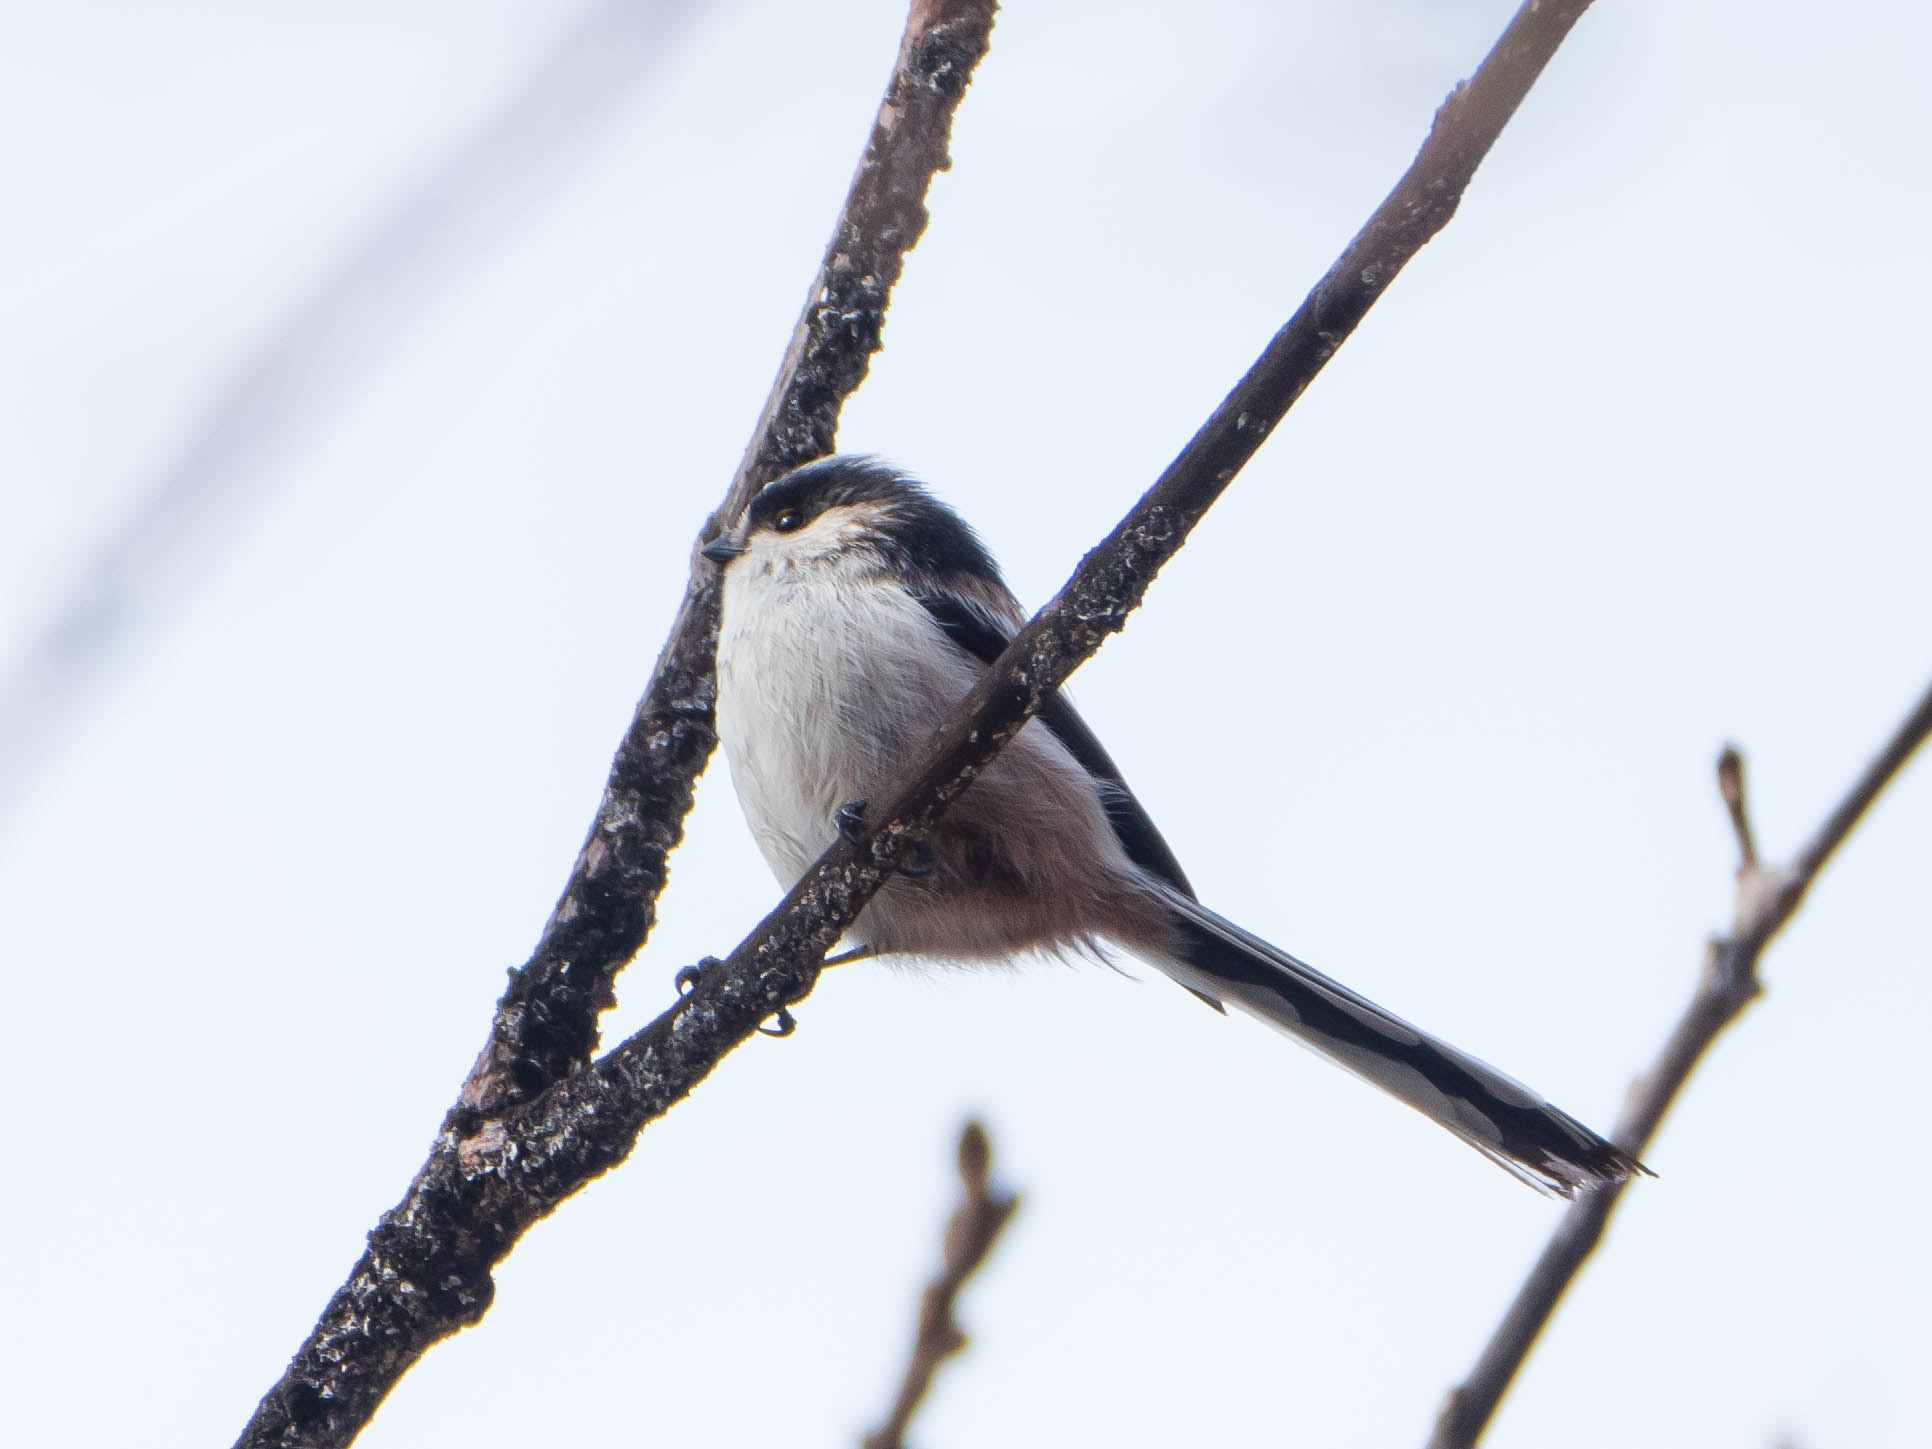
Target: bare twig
427,1270
1730,785
970,1234
1767,897
514,1149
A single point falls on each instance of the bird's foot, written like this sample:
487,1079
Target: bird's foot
850,819
688,977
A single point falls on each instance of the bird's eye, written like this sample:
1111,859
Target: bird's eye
788,520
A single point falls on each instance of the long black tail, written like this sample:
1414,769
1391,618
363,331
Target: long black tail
1499,1117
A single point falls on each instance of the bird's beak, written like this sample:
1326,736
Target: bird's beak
722,550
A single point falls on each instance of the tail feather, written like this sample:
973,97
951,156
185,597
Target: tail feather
1499,1117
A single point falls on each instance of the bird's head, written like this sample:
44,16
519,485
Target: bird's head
851,514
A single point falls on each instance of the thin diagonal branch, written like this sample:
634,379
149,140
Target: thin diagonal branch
507,1158
1767,898
970,1234
427,1271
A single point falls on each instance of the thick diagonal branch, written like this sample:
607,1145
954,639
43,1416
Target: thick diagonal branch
1767,897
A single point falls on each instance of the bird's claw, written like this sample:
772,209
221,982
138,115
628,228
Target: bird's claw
688,977
919,862
850,819
786,1024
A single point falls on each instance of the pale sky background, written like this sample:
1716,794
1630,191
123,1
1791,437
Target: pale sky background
1628,463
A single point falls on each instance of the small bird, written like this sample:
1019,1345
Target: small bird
858,609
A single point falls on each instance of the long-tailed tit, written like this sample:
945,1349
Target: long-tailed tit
858,609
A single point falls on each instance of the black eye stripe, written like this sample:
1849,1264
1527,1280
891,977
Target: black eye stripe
897,517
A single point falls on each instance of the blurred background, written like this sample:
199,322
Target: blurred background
365,371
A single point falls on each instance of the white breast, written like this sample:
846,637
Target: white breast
822,677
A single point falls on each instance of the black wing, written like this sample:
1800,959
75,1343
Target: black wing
985,637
